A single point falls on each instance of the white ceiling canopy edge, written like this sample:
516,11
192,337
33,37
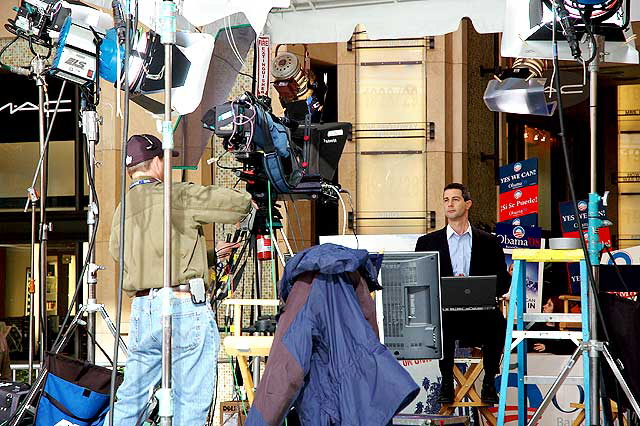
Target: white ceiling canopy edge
327,21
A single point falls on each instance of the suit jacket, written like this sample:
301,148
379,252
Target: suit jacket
487,257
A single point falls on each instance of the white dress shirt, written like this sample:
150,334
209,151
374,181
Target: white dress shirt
460,250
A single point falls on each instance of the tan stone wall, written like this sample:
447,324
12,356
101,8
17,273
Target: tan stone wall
463,125
480,174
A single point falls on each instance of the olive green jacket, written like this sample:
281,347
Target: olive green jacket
193,206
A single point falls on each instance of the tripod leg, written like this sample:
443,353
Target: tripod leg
112,329
556,385
621,380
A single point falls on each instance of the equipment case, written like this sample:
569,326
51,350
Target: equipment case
11,395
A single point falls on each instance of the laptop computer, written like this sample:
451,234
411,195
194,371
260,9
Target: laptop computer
468,293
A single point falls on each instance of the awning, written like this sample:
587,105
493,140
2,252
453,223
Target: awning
327,21
199,13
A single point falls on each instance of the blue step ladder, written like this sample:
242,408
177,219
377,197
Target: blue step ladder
517,333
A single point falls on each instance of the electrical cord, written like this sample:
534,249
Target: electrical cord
617,268
4,48
295,239
232,67
353,211
588,26
344,209
591,278
295,208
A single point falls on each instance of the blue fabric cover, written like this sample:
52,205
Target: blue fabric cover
328,259
81,402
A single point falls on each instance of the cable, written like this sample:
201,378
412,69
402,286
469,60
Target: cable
344,209
123,193
290,228
298,219
353,211
617,268
4,48
232,67
232,43
588,26
591,278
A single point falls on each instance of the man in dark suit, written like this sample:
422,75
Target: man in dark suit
468,251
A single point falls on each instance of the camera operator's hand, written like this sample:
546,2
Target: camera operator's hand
224,249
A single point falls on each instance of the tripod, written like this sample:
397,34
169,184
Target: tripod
38,70
90,121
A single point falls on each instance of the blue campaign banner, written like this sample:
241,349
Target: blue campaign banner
518,175
568,217
526,220
574,277
510,236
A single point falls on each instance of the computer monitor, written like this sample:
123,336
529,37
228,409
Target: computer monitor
411,309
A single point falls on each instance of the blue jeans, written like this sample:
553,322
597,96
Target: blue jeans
195,345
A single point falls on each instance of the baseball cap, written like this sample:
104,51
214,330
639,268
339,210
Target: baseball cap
142,148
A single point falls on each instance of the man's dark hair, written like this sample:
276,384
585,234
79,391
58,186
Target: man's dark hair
466,195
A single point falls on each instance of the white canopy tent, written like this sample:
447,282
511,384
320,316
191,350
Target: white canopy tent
327,21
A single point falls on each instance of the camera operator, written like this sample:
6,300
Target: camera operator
195,339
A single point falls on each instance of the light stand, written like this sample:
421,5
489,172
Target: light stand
31,289
594,244
90,129
38,66
168,13
37,72
90,121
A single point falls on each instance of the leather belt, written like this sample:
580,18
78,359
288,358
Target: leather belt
180,288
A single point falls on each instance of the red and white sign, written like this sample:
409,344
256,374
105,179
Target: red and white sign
263,66
518,203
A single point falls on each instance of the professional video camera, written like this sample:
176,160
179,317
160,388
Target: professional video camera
298,159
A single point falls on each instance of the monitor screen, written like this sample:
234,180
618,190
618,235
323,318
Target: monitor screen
411,309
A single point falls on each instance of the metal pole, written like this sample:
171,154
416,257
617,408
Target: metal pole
168,38
38,65
256,313
32,286
90,129
594,354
